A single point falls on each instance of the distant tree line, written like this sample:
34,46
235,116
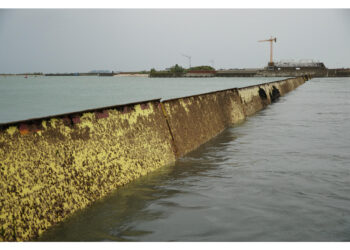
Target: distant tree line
178,71
201,68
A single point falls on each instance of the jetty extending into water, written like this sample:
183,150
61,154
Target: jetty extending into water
53,166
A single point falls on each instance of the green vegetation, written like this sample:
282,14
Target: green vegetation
154,73
201,68
178,71
175,71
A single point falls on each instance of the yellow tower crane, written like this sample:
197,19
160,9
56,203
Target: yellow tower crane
271,40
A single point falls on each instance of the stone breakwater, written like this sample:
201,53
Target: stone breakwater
53,166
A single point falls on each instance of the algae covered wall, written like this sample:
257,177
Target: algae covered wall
51,167
196,119
257,97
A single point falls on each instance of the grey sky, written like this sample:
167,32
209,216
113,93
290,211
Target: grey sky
52,40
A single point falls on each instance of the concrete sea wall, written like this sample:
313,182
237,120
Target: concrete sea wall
53,166
196,119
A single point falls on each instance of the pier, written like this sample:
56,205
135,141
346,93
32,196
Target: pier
54,166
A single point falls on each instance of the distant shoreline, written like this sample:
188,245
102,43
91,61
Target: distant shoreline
80,74
138,75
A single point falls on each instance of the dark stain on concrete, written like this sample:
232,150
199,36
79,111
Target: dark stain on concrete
275,94
81,134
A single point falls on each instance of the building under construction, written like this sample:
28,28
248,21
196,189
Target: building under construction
287,69
299,65
291,68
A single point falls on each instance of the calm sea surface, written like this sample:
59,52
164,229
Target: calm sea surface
24,98
283,175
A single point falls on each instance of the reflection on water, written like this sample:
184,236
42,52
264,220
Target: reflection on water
115,216
283,175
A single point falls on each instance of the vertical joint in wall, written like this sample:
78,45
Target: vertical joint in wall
169,128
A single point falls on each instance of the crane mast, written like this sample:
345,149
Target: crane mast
271,40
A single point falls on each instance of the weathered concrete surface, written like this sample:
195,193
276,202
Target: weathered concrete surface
196,119
288,85
255,98
54,167
251,100
51,167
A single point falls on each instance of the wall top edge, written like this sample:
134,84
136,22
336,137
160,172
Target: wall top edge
36,119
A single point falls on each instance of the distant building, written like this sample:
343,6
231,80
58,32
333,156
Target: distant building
299,65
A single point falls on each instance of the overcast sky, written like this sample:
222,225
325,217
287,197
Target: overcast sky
51,40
